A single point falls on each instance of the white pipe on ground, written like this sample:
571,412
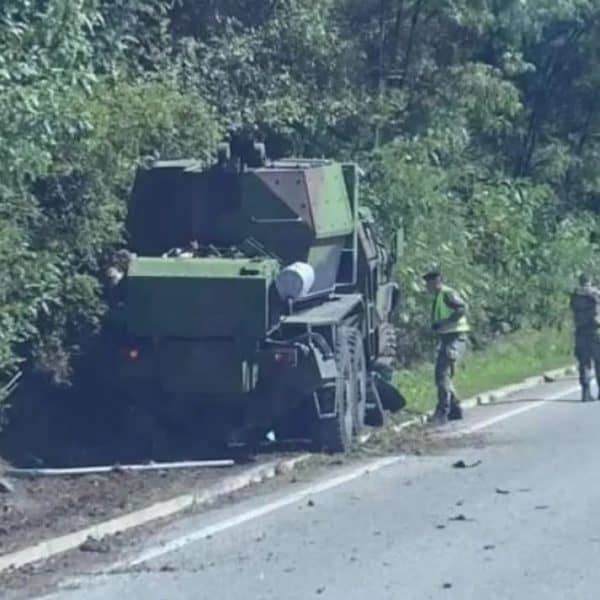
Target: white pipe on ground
99,470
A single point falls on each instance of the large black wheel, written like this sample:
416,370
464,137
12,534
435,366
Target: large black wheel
335,433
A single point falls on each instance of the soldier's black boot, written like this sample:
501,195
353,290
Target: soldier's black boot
440,416
456,411
586,395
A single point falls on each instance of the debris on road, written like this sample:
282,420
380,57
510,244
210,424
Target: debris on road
460,517
542,507
310,503
489,547
94,545
6,487
501,491
461,464
447,586
416,441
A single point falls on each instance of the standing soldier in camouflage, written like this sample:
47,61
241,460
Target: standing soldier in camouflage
585,305
449,323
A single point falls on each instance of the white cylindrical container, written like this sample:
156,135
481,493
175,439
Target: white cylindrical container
295,281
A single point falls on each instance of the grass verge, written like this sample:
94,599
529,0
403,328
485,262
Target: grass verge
510,360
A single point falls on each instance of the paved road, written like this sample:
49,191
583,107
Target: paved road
524,524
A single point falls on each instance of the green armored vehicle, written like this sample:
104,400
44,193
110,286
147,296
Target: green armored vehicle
255,296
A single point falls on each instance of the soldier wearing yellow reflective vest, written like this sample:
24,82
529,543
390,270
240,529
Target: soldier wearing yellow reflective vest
449,323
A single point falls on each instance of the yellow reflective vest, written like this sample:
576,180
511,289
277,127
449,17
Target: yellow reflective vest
441,312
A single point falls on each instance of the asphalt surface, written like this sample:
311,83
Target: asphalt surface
523,523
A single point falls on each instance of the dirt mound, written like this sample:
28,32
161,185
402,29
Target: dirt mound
42,508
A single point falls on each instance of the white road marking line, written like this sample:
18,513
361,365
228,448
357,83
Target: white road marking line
376,465
513,413
255,513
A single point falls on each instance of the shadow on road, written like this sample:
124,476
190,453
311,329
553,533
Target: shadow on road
47,427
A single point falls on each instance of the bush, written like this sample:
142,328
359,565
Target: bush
50,301
501,242
446,104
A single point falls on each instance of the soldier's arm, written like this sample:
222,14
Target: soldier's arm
458,306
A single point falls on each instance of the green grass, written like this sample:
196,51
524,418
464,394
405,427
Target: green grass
510,360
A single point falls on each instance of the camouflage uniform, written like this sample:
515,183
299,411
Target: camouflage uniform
450,350
585,305
449,322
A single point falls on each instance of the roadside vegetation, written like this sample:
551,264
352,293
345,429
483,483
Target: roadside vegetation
477,125
510,359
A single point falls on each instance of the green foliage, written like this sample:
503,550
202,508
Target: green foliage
72,137
477,123
91,174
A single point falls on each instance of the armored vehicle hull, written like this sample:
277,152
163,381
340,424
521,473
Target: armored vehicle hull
254,298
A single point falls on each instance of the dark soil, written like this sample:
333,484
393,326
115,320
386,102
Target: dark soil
43,508
79,426
417,440
68,428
